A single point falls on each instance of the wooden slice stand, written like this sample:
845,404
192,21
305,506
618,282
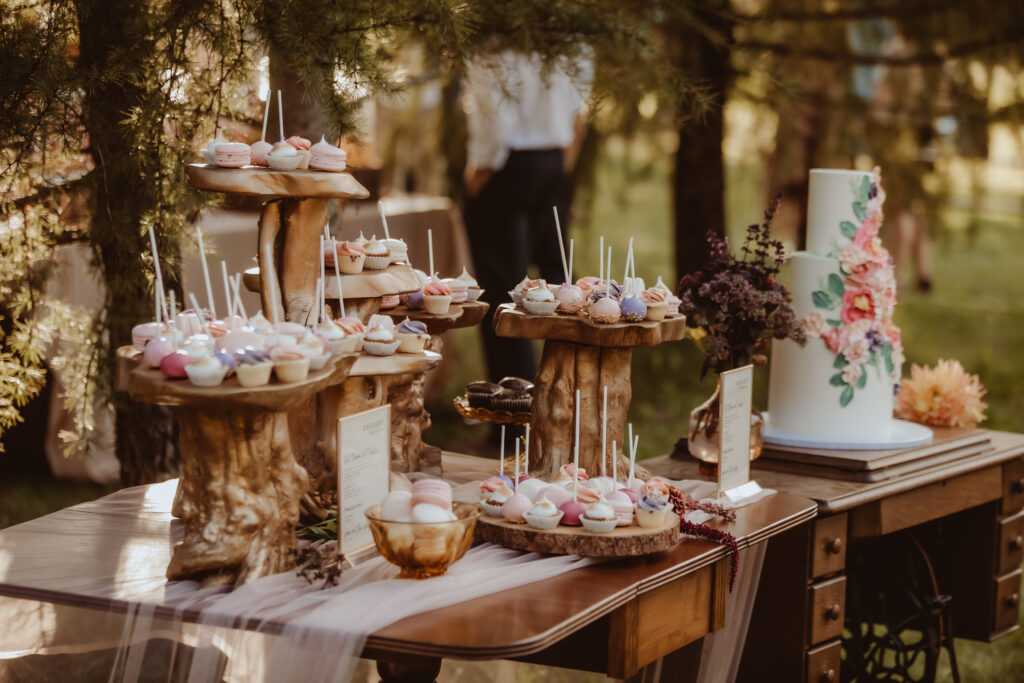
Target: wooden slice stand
624,541
241,483
581,354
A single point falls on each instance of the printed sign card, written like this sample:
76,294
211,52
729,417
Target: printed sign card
364,466
735,402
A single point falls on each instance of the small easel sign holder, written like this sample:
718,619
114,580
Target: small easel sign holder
735,391
364,468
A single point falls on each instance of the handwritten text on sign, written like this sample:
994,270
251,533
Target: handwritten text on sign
364,461
735,403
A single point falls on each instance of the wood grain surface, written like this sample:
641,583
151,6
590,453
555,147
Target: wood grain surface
256,181
395,364
395,279
627,541
510,321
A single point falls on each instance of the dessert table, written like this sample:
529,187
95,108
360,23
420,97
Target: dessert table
612,617
965,514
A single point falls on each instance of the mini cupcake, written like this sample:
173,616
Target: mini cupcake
511,401
492,484
651,510
492,506
283,157
633,308
258,152
290,363
539,301
207,371
460,290
399,250
671,299
301,146
515,508
380,339
253,367
437,297
604,310
599,518
473,290
412,336
657,303
326,157
354,331
543,515
351,256
334,335
317,349
481,394
377,256
516,384
570,299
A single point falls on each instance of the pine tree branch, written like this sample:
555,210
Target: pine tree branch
894,11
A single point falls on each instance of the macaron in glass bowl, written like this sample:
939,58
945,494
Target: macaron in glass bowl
422,550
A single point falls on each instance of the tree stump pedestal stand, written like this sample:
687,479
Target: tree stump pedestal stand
581,354
240,486
409,417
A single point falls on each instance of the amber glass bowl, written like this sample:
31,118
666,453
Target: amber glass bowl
424,549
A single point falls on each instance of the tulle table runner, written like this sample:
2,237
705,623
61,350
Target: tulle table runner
113,553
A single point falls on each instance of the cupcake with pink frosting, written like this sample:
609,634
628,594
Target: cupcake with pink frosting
437,297
657,303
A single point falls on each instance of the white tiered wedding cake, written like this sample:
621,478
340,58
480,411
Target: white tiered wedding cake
838,390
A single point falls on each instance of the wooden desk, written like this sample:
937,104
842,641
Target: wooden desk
614,617
974,504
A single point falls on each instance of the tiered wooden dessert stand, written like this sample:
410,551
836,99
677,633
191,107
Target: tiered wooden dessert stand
581,354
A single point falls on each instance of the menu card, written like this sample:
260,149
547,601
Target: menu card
364,466
735,400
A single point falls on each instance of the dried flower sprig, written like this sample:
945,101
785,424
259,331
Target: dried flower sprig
681,502
735,305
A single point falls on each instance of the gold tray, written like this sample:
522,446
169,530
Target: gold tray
493,416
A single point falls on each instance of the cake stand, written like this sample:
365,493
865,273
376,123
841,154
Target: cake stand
581,354
241,480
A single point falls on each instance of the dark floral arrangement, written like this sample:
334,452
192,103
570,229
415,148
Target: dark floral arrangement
682,504
735,305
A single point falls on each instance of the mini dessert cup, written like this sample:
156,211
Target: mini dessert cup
492,509
516,297
291,371
206,374
354,343
651,519
379,348
540,307
284,163
656,311
473,293
543,522
318,362
411,343
377,262
599,526
349,264
254,375
437,304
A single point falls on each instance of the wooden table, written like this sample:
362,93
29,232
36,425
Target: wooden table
613,617
973,505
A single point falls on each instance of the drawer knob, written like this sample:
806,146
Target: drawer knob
1013,600
834,612
1017,542
1017,486
835,546
828,676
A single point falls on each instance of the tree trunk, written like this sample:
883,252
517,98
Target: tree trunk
698,185
124,194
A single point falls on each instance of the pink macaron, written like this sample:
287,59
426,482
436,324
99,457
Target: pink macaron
433,492
327,157
232,155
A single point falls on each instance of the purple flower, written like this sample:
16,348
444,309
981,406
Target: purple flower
874,338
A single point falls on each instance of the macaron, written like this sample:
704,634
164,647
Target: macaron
232,155
427,513
327,157
396,505
432,492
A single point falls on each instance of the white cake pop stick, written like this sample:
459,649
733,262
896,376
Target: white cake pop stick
608,282
206,272
604,431
576,453
561,245
570,260
227,292
383,220
600,261
615,464
501,455
632,457
322,300
515,482
202,318
159,275
430,249
341,294
629,258
280,115
174,307
272,279
266,112
236,287
526,456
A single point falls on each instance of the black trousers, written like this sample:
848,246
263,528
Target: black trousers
510,228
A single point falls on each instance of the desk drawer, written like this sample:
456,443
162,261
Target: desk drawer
1011,544
827,605
1007,605
828,554
823,663
1013,486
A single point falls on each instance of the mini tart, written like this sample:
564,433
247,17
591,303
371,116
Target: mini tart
290,365
254,374
481,394
511,401
377,256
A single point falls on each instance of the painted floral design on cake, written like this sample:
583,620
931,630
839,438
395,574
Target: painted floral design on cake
859,298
